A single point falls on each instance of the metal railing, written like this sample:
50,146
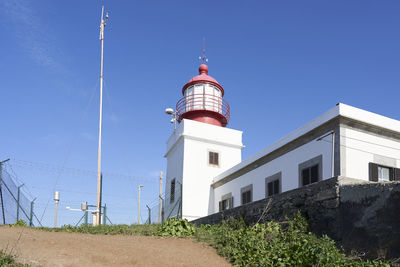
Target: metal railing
202,102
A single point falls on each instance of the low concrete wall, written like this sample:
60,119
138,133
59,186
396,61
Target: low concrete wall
359,215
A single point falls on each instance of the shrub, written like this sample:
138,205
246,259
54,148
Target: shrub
176,227
19,223
275,244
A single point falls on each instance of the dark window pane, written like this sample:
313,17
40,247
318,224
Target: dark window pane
270,189
172,194
213,158
246,197
314,174
305,174
391,174
276,187
224,204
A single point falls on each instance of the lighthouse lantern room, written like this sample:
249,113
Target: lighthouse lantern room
203,100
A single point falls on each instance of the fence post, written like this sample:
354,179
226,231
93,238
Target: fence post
31,213
105,214
149,210
86,217
1,198
18,194
1,191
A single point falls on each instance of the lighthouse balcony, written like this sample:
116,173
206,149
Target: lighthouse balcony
203,107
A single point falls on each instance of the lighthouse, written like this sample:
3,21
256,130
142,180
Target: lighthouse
200,148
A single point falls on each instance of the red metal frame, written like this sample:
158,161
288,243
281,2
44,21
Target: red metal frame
206,103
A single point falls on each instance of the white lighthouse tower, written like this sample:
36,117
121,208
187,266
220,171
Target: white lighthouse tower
199,148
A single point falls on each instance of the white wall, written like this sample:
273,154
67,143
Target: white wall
359,148
288,164
187,161
174,171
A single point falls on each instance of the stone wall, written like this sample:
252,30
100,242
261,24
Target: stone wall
359,215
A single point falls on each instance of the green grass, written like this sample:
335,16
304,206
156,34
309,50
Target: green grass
119,229
9,260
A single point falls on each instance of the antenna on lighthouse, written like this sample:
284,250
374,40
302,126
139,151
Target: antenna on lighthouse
99,178
204,58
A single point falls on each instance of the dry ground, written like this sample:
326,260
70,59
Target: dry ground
71,249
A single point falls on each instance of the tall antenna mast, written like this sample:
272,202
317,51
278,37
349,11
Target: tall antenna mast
102,25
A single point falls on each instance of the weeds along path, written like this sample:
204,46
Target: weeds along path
43,248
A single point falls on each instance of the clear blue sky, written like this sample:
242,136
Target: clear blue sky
282,63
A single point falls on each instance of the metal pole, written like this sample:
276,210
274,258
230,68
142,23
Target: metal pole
138,220
101,196
105,214
160,200
18,194
180,209
333,154
175,119
333,150
86,217
1,191
31,213
55,214
56,200
149,211
1,198
102,25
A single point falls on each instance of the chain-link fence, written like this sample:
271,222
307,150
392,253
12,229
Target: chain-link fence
171,206
14,205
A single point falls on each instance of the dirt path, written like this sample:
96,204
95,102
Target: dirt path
70,249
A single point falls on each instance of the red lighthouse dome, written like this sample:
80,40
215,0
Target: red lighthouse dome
202,100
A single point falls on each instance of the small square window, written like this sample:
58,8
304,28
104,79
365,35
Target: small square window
226,202
247,194
273,184
310,171
213,158
310,175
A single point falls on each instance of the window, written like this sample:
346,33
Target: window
380,173
213,158
273,184
226,202
385,173
310,171
247,194
309,175
172,194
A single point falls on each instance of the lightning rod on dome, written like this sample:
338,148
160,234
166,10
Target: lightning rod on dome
204,58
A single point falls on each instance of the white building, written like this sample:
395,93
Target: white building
205,173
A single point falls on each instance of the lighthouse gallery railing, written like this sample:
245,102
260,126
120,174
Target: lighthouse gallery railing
207,102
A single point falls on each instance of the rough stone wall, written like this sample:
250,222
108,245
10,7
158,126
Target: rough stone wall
370,218
360,216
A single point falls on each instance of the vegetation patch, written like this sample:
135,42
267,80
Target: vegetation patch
275,244
177,228
9,260
119,229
